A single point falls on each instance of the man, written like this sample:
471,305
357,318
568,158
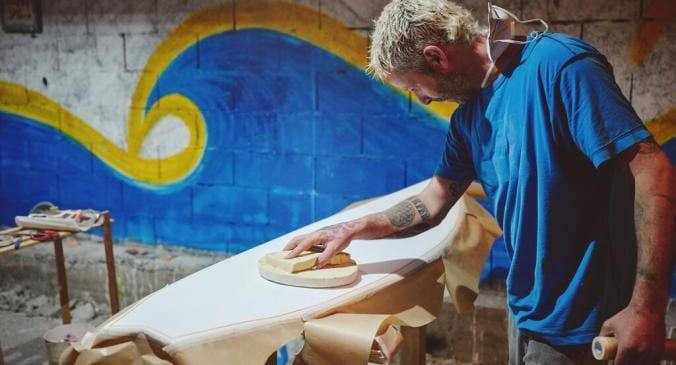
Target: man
554,143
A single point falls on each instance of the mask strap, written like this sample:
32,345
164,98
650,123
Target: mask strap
492,7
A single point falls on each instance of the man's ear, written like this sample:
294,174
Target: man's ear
436,58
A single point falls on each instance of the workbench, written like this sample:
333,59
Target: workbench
25,242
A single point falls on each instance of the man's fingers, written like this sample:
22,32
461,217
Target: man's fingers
330,250
293,243
305,244
607,329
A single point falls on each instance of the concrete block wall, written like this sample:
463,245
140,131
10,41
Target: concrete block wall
278,125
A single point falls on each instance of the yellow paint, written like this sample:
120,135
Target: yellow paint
127,162
661,13
296,20
663,128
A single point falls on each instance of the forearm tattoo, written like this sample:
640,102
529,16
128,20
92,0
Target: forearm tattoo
420,207
412,231
403,214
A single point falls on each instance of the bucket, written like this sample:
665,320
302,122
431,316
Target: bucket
59,338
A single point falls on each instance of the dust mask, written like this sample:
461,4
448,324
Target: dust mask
501,30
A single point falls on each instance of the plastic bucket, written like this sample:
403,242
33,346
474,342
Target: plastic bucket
59,338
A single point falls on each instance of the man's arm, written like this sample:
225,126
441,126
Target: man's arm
640,327
417,213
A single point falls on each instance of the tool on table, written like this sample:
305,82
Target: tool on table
605,348
44,236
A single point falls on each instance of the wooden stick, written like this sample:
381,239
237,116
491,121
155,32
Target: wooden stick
605,348
110,263
61,277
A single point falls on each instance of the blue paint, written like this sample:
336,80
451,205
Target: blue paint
289,211
359,177
338,134
294,134
282,171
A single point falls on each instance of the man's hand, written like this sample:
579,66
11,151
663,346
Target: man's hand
415,214
640,328
640,333
334,239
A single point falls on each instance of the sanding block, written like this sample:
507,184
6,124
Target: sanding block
299,271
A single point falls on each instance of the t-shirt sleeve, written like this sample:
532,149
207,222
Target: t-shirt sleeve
455,163
601,121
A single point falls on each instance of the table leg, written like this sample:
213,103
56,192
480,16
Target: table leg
110,264
61,277
414,349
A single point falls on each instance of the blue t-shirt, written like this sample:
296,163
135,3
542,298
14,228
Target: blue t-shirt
535,139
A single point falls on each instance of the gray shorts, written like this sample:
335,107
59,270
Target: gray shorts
529,350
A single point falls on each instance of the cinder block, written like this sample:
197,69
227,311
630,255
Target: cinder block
265,12
479,8
230,204
199,234
87,192
612,39
580,9
19,60
419,169
322,61
171,13
92,53
30,186
14,152
352,13
289,211
217,167
19,50
327,205
245,237
138,47
353,91
654,86
297,55
359,177
151,202
244,49
292,172
115,17
574,29
252,90
339,134
64,17
110,121
140,229
296,133
403,137
251,132
46,153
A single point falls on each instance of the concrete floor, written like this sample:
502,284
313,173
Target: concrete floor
21,338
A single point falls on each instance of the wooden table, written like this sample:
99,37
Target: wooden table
105,224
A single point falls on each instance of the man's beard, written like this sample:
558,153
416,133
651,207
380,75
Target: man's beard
458,87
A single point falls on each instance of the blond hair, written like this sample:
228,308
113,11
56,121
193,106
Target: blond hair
405,27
